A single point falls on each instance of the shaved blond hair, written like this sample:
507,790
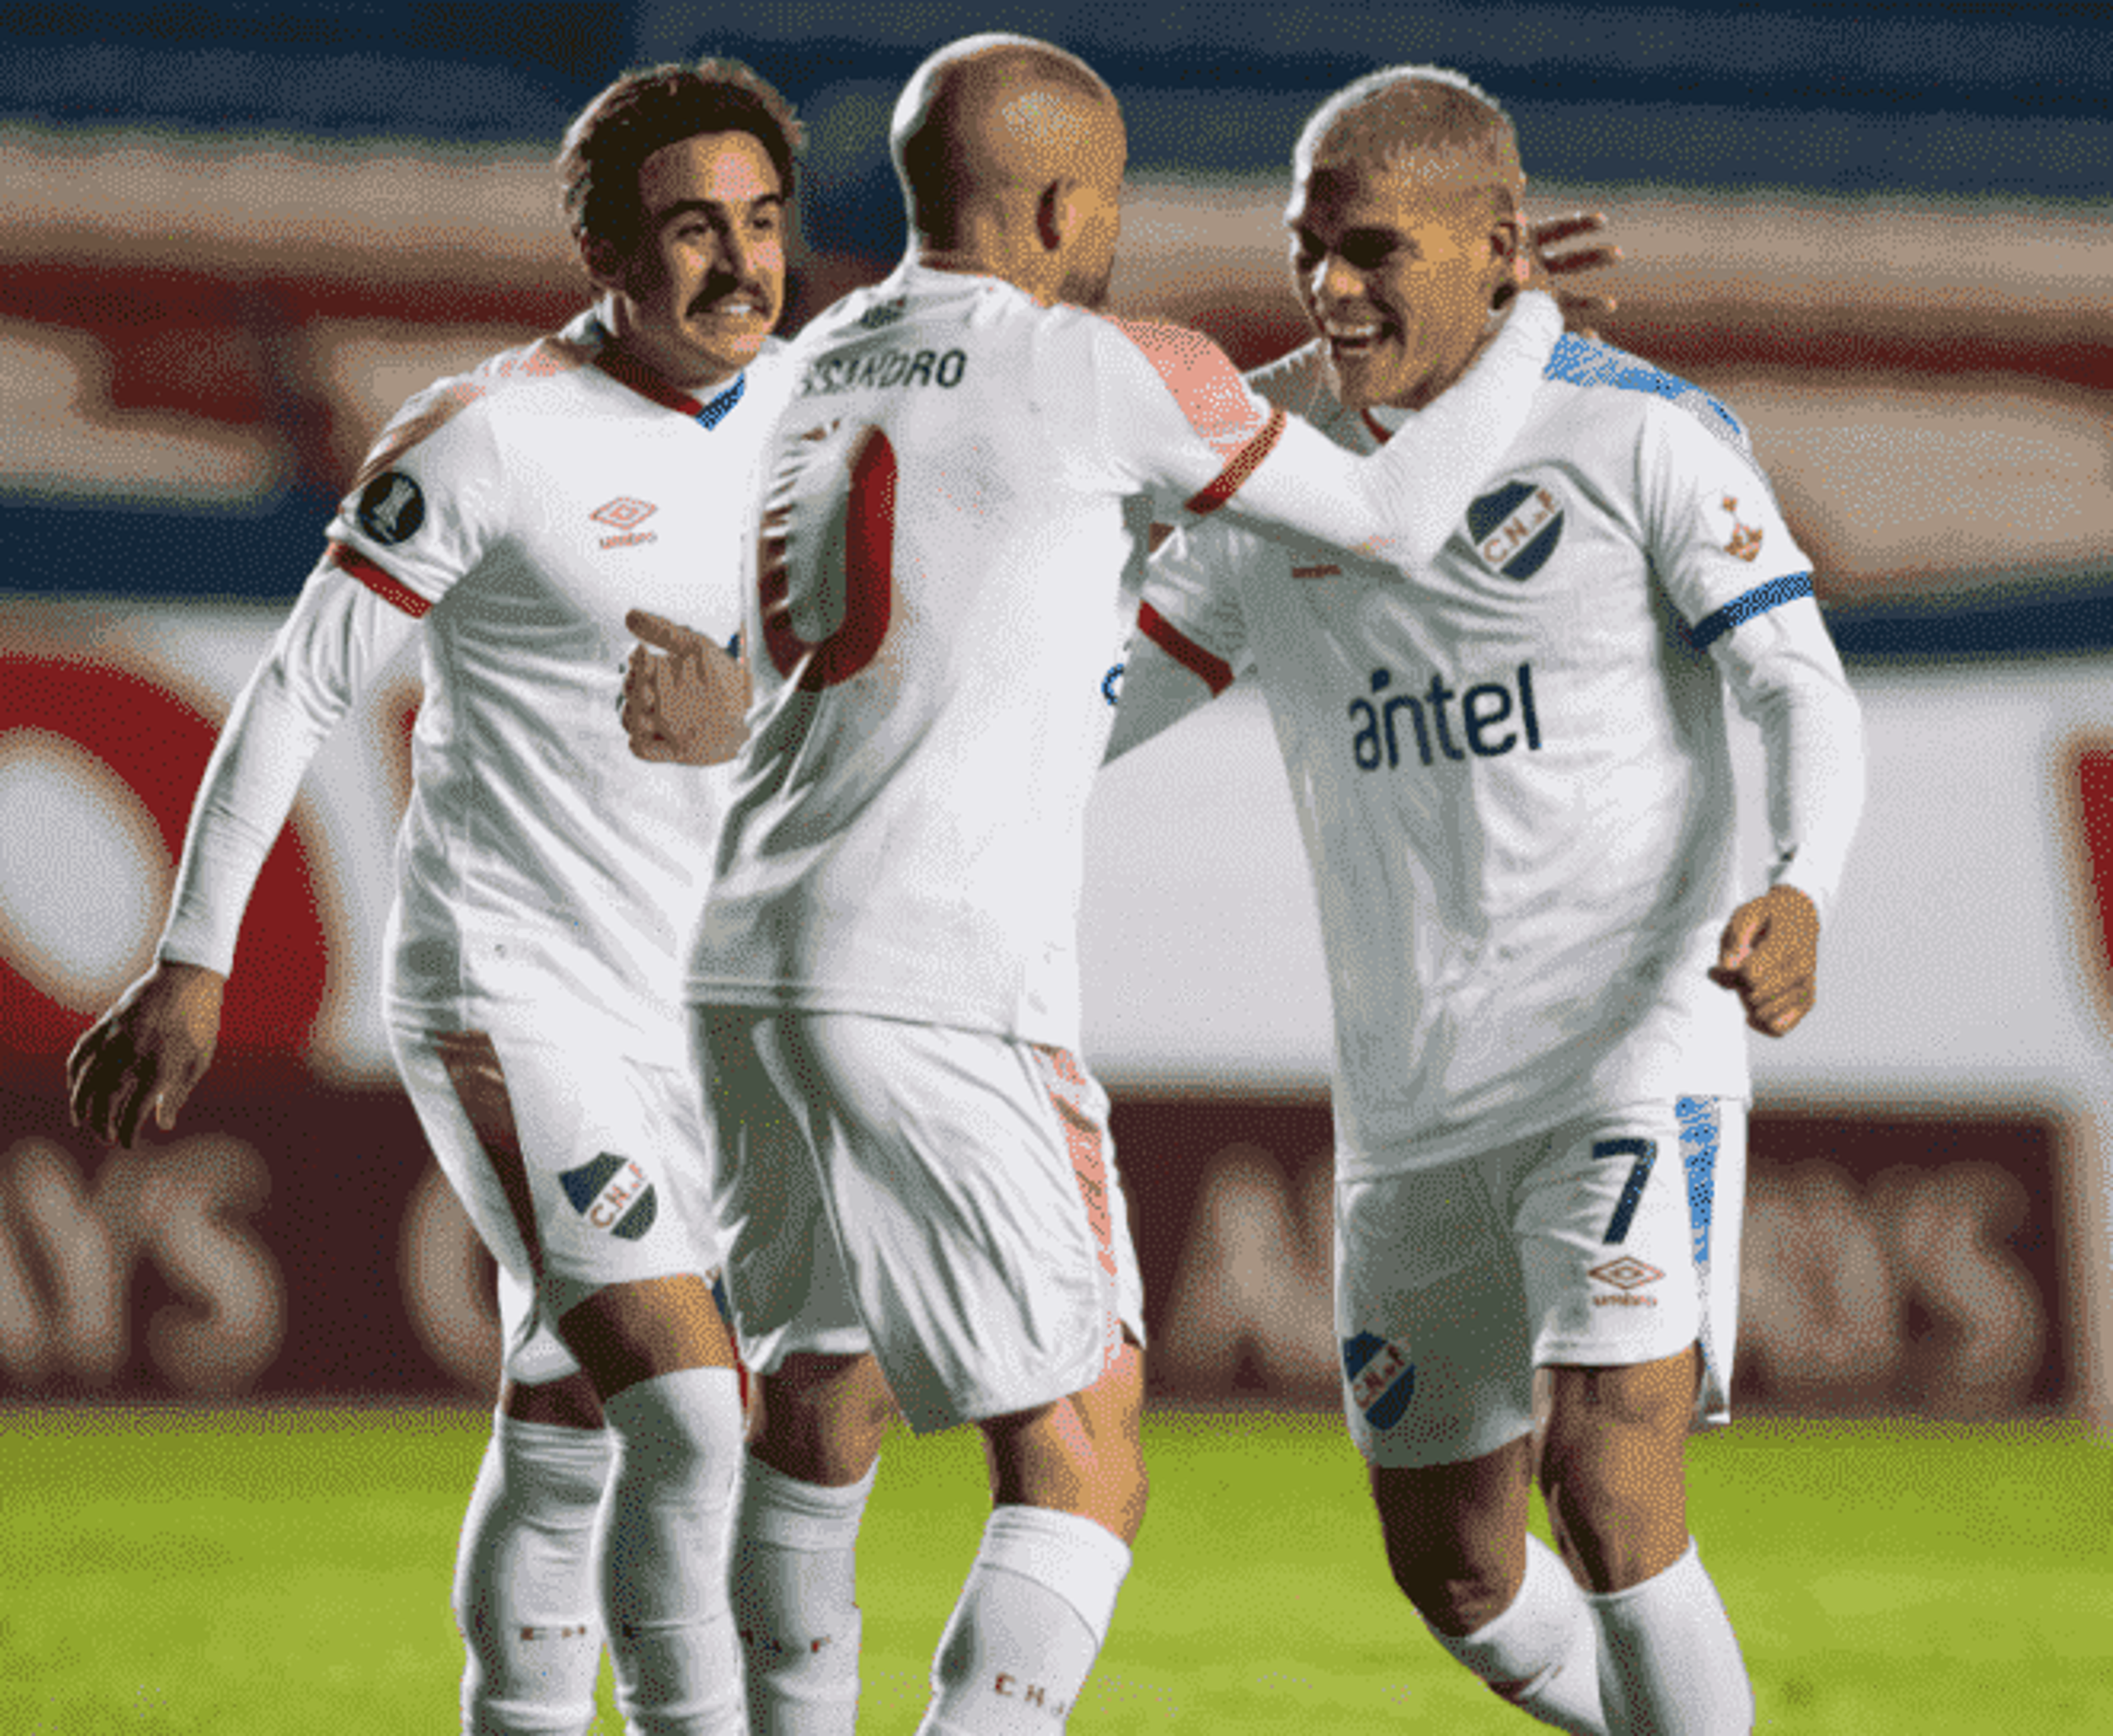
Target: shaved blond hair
994,115
1428,119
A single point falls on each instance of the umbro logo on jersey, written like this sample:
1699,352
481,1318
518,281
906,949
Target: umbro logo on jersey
624,515
1382,1378
613,1194
1515,527
392,507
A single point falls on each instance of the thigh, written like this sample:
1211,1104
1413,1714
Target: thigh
580,1166
1430,1311
1628,1234
965,1179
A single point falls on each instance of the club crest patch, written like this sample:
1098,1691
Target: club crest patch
392,507
613,1194
1382,1378
1515,528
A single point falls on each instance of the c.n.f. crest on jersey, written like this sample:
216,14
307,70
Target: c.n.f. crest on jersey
1515,527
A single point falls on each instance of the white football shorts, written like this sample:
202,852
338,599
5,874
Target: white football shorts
580,1166
1604,1243
946,1200
532,1353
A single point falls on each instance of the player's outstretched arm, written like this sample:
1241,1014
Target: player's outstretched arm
685,700
151,1048
1769,956
147,1053
1400,504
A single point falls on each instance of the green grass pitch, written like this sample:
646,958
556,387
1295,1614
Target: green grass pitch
244,1573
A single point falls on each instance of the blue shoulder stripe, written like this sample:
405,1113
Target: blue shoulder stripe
1758,600
1581,361
720,408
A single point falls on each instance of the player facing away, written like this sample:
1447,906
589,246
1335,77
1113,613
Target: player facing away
920,1203
1514,787
508,518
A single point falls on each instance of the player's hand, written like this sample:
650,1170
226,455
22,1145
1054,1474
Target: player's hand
1769,954
147,1053
1582,309
685,700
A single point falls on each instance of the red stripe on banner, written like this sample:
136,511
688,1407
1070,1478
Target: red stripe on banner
2094,781
1214,672
391,589
1222,487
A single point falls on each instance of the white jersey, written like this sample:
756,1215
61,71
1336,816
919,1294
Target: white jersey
518,511
1514,785
955,511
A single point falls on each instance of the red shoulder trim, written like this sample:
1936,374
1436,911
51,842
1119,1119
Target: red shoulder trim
1226,483
1212,670
384,585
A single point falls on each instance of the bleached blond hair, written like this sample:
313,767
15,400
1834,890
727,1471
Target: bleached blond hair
1389,117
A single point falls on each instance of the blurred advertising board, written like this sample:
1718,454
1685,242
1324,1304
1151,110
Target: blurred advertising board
291,1238
1928,1223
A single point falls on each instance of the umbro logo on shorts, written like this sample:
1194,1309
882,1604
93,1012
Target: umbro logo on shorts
612,1194
1382,1378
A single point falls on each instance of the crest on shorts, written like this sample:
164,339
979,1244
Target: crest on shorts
1382,1378
392,507
613,1194
1515,528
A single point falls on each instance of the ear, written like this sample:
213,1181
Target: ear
1053,216
1511,260
604,261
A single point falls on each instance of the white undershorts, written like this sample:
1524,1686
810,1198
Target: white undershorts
945,1200
579,1165
1606,1242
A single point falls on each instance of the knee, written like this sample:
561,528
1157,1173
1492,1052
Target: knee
1455,1536
821,1418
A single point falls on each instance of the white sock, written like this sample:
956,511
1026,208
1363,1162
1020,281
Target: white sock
1542,1653
795,1599
524,1591
663,1527
1668,1653
1032,1617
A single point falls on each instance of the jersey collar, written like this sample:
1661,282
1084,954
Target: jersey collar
629,371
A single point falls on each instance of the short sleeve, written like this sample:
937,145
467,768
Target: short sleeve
426,505
1717,538
1191,606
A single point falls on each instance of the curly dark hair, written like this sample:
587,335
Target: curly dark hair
647,111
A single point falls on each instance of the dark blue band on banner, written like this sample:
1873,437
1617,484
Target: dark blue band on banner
1759,601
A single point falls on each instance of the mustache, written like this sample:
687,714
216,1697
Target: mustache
722,286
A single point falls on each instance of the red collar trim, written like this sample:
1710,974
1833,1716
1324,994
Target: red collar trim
625,369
